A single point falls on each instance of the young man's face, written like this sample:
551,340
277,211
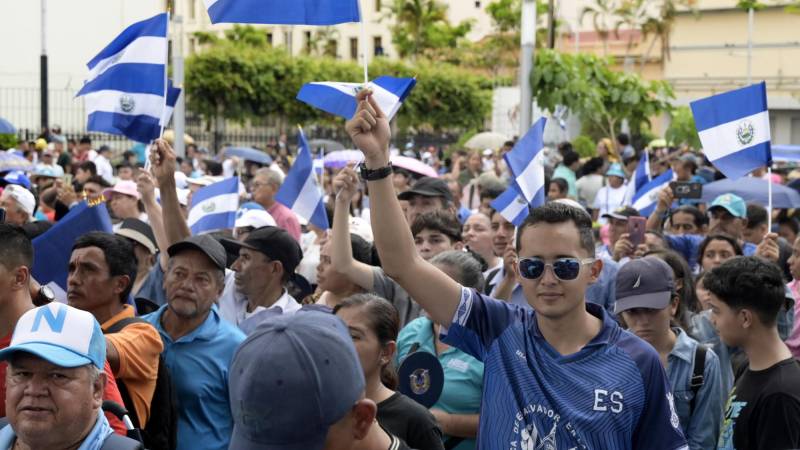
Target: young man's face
683,223
722,221
430,243
550,296
726,320
502,233
420,204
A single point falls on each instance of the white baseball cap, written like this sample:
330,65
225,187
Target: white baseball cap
22,196
60,334
255,218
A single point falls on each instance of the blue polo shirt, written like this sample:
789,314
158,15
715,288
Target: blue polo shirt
463,374
198,364
613,394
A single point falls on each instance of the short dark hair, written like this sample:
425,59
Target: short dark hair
562,184
15,247
756,215
214,168
362,250
88,166
491,192
737,249
441,220
118,251
565,147
623,139
555,213
700,219
592,165
571,158
86,140
749,282
791,223
383,320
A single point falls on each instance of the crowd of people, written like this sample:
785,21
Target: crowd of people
570,330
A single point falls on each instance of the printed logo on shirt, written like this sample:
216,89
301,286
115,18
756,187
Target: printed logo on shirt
464,307
732,411
527,436
673,417
458,364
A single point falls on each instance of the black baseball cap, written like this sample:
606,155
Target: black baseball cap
275,242
139,232
206,244
644,283
622,213
428,187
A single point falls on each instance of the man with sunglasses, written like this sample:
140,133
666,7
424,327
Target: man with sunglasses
564,376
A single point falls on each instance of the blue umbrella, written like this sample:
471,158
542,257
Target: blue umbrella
754,190
249,154
10,161
6,127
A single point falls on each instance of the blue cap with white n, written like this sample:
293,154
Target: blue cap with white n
60,334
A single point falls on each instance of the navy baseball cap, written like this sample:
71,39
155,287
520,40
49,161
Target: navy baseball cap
421,378
644,283
290,380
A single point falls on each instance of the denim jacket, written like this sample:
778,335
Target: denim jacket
702,427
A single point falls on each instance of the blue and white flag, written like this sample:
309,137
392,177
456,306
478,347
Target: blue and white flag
52,250
214,207
340,98
641,177
319,163
300,191
125,88
511,206
284,12
646,197
526,162
734,129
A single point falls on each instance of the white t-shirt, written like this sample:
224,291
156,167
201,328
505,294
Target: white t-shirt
608,199
587,187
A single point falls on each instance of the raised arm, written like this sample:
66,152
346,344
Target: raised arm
162,158
436,292
656,220
345,185
146,188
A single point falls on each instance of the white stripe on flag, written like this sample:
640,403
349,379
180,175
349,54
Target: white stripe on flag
213,205
532,178
145,49
109,101
305,203
346,88
513,209
210,2
388,102
723,140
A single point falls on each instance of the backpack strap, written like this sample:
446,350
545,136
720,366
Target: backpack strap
117,442
119,325
697,379
487,287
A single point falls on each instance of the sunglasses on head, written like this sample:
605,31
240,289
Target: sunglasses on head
565,269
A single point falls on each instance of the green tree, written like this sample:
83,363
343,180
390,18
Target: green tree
682,129
421,26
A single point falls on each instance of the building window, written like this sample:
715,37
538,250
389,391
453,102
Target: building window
192,9
477,3
309,42
331,48
378,5
354,48
269,39
377,44
287,41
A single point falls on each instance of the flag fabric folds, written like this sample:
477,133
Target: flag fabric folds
526,163
124,91
641,177
283,12
214,207
512,206
734,129
340,98
300,191
646,197
53,249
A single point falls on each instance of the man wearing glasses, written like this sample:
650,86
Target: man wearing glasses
564,376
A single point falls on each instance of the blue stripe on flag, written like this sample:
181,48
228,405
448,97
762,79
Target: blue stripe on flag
526,165
155,26
286,12
139,128
716,110
328,99
52,250
129,77
214,222
646,197
398,86
300,192
511,206
741,163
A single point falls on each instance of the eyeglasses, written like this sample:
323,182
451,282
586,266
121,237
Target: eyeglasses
565,269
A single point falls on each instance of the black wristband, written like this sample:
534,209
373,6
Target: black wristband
375,174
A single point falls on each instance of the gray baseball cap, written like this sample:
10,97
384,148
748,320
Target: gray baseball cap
644,283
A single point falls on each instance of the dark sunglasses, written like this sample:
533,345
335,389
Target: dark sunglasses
565,269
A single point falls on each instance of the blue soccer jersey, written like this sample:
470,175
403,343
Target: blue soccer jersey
612,395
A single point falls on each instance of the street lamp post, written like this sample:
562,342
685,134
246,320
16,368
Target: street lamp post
527,41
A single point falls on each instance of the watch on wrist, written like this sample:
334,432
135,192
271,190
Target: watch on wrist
375,174
45,296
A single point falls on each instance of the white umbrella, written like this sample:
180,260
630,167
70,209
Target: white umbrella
487,139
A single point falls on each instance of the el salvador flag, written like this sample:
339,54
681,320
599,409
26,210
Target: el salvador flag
52,250
125,88
526,162
300,191
734,129
214,207
284,12
641,177
340,98
511,206
646,197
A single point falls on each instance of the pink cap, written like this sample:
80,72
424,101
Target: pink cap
126,187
